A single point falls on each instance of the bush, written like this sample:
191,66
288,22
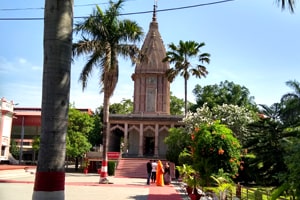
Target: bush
111,168
214,147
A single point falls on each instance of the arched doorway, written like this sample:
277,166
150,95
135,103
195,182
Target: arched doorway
149,143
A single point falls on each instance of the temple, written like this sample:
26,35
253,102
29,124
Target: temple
142,133
139,134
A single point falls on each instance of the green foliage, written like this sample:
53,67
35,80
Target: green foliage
77,145
223,186
182,56
177,140
264,140
215,147
176,105
111,166
36,143
235,117
258,195
189,175
185,157
104,37
79,121
95,136
291,159
224,93
125,107
279,191
85,164
290,111
79,126
14,150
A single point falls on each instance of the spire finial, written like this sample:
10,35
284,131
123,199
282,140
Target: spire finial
154,10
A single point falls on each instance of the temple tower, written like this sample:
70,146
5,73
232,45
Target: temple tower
151,86
142,132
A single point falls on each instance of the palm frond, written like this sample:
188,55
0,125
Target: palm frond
283,4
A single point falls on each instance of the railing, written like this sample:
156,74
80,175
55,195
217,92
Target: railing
27,143
245,193
241,193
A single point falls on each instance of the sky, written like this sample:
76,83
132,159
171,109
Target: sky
252,43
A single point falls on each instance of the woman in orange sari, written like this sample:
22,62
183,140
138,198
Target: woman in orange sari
160,174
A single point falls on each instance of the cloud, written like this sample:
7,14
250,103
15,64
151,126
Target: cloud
22,61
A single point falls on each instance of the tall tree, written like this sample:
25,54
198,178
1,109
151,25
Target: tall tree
182,56
104,37
264,140
58,24
290,112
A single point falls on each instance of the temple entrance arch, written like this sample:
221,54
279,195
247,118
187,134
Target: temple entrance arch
149,143
116,138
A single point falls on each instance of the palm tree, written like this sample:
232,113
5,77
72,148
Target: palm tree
289,3
272,112
181,55
50,176
291,104
104,38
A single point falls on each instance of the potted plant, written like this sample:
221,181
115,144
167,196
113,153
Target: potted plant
190,177
85,166
223,187
193,182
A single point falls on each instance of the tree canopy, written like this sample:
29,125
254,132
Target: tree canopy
224,93
79,127
176,105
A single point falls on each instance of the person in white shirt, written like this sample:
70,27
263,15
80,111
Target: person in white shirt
153,173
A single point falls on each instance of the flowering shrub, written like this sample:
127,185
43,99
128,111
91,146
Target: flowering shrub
235,117
214,147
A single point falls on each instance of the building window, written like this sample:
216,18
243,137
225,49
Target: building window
2,150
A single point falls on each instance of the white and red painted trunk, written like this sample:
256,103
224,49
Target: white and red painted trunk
58,28
49,185
104,173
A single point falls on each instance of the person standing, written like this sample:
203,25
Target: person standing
149,171
160,174
167,174
153,173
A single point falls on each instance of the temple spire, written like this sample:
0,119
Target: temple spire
154,11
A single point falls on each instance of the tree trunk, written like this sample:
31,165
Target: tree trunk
76,163
185,96
58,24
104,167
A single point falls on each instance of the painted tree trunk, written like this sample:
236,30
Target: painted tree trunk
58,24
104,167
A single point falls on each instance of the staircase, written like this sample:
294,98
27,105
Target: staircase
132,168
135,168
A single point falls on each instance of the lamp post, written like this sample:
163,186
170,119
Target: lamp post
22,138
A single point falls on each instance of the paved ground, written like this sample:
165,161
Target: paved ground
18,184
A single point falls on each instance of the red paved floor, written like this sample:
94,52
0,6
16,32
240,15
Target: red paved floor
167,192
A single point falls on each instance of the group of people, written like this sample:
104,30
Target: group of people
158,173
